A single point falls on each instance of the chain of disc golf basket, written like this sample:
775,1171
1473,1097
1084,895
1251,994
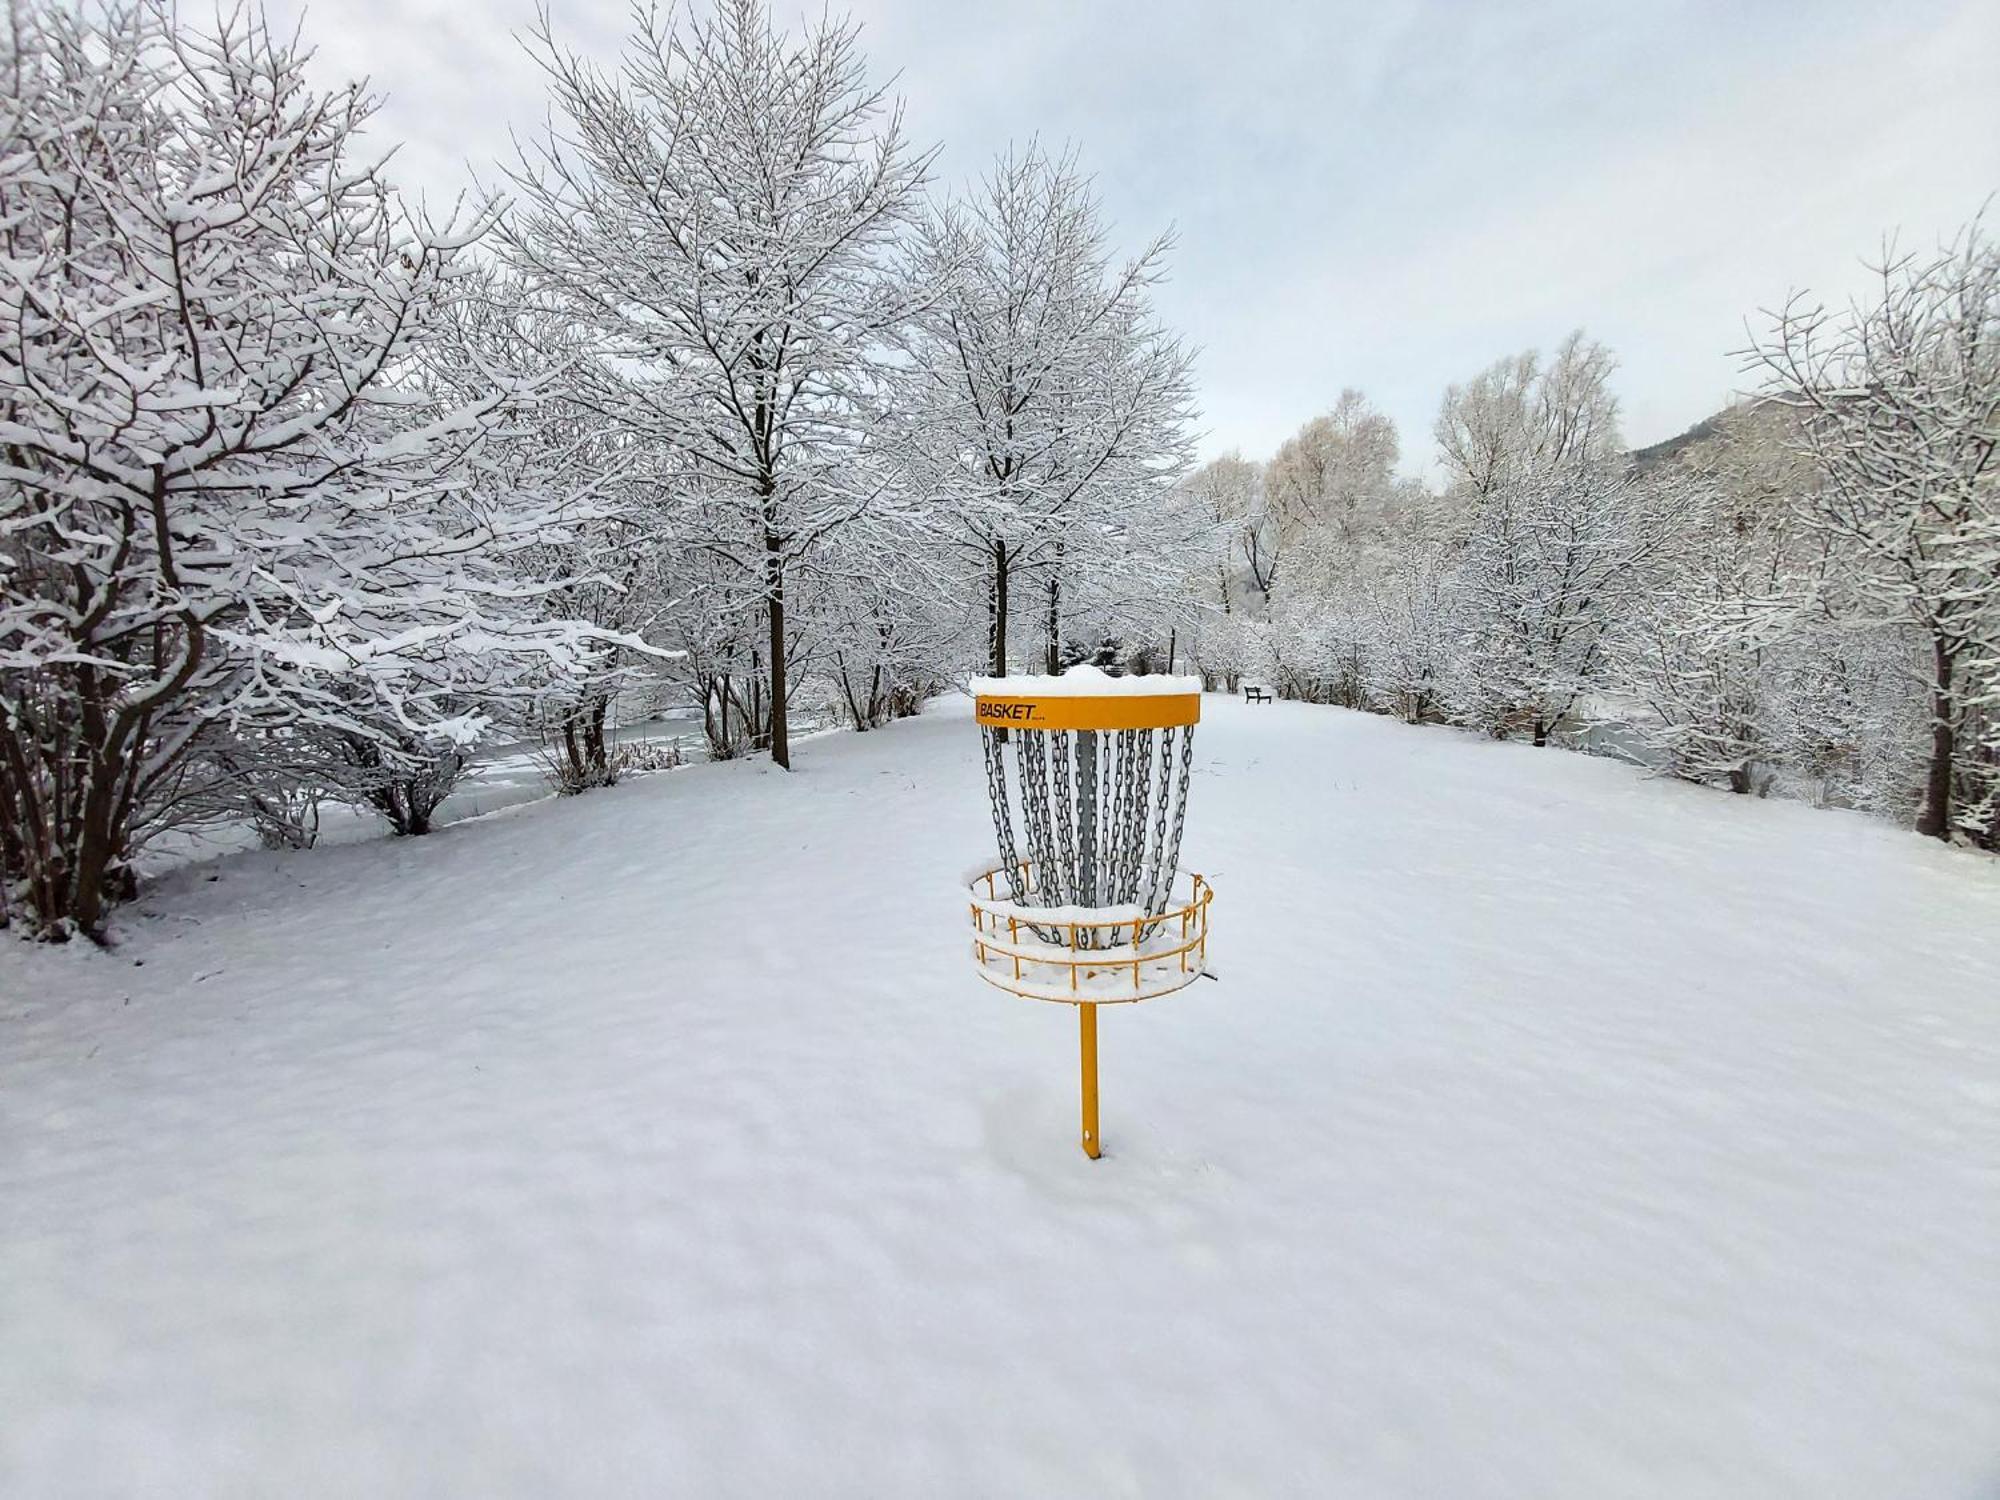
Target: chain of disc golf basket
1032,751
1135,751
1085,876
1118,766
1094,849
1167,841
1065,815
1003,825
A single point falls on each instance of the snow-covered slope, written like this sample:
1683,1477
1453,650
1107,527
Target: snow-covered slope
1551,1132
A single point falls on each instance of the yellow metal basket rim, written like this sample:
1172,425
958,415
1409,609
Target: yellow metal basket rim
1057,712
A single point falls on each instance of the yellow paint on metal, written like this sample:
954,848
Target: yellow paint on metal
1124,711
1086,1021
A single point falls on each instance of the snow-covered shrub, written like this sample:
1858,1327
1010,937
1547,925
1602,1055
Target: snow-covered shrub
1694,645
400,776
1848,714
575,750
1319,648
639,757
1409,610
275,779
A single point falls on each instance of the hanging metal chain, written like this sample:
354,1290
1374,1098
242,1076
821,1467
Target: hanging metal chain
1062,878
1173,859
1156,886
1094,848
1003,822
1031,755
1138,760
1086,820
1117,755
1110,853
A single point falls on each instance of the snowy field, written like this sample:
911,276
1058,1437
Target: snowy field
1551,1132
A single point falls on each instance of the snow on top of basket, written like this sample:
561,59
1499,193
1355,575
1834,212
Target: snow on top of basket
1084,682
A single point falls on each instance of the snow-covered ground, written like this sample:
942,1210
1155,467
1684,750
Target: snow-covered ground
1551,1132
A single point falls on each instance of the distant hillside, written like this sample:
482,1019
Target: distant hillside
1647,459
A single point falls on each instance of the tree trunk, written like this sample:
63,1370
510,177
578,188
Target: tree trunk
1055,626
1934,820
93,863
847,692
999,609
601,759
774,583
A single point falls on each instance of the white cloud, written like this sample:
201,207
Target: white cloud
1383,195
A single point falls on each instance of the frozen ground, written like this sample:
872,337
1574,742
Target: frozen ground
1552,1132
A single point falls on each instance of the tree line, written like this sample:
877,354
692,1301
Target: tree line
711,397
706,397
1801,598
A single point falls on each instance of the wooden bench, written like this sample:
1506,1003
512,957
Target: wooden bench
1252,693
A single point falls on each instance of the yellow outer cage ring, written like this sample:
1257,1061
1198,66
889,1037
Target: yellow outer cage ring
1123,711
1003,962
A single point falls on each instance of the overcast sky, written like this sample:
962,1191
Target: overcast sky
1386,195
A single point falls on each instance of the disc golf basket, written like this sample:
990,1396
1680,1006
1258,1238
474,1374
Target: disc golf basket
1087,905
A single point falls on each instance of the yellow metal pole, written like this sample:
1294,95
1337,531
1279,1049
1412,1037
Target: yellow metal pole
1086,1020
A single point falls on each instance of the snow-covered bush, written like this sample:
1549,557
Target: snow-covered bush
1410,612
1848,727
402,778
1319,649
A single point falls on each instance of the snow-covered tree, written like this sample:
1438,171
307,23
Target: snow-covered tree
1734,591
1357,565
1329,482
1848,723
228,495
1409,609
1051,407
1519,415
721,211
1692,649
609,567
1228,492
1553,564
1899,400
893,623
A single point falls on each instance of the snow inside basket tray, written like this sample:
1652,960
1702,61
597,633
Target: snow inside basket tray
1084,682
